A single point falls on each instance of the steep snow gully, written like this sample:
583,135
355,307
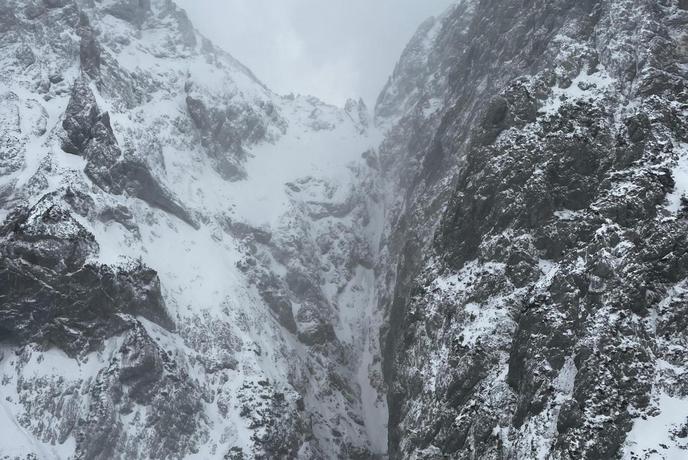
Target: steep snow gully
492,265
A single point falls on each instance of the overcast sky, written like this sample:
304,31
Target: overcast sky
333,49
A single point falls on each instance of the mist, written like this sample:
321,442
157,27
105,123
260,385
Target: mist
334,49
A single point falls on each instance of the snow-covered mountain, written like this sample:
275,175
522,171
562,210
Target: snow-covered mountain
492,266
187,260
537,254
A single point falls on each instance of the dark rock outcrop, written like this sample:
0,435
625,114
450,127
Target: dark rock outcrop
80,117
133,11
89,134
225,131
89,49
53,295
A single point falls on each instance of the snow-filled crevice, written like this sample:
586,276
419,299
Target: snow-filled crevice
361,319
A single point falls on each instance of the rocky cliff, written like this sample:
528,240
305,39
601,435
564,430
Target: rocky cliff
187,257
536,249
494,266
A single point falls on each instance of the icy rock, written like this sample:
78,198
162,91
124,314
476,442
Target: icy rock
90,135
54,296
133,11
89,48
552,257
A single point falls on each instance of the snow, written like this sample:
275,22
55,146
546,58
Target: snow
549,269
541,430
486,317
197,272
262,199
367,323
565,381
198,268
652,438
567,215
432,107
44,366
656,430
584,86
480,319
318,149
17,442
359,321
36,146
680,175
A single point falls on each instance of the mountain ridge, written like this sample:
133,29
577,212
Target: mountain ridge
491,266
171,155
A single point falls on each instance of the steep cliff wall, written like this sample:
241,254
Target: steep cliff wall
536,243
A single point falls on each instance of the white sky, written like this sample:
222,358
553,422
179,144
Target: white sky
332,49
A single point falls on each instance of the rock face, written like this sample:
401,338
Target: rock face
224,131
192,266
187,258
89,134
52,296
547,153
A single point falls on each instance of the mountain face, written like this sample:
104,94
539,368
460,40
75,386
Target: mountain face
188,258
492,266
536,257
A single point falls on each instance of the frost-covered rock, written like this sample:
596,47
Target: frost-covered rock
541,151
53,296
493,266
162,291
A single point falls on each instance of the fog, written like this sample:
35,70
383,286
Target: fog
333,49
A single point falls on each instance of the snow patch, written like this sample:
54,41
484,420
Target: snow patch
584,86
680,175
656,436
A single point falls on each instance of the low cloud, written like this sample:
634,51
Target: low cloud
333,49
